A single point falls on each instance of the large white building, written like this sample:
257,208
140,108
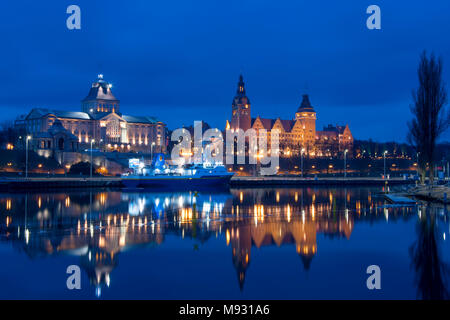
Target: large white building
100,122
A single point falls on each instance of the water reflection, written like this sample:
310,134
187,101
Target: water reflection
430,269
98,226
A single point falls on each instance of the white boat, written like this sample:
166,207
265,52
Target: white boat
191,176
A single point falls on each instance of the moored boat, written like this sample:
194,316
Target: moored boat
191,176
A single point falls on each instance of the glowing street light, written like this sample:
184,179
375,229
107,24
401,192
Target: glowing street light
384,159
259,155
92,141
26,156
417,163
345,163
303,150
151,154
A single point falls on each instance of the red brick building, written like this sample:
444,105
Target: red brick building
297,135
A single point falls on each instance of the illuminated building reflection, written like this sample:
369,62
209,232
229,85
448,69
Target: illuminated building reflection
97,227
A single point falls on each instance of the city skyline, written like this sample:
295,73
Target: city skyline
225,158
181,64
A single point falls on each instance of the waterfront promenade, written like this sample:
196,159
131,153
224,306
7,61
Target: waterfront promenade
237,181
45,183
251,181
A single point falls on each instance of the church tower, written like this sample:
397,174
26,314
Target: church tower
307,117
241,118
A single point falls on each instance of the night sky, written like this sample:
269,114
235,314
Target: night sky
180,60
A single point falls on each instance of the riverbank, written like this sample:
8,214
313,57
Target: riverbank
46,183
431,193
246,181
52,183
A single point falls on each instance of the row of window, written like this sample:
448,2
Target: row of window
33,126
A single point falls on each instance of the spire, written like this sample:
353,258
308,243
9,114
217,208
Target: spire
241,278
241,86
305,105
307,259
241,97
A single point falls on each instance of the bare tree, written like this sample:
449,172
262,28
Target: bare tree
430,118
8,134
6,124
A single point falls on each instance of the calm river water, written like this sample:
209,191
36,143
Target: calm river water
287,243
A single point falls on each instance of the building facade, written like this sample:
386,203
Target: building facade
296,136
99,124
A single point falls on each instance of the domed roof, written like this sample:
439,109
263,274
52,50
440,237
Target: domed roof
100,90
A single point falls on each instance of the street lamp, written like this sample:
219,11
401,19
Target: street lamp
417,163
151,154
26,156
303,150
258,157
448,173
345,163
92,141
384,159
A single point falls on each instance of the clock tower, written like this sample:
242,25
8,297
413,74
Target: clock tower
241,118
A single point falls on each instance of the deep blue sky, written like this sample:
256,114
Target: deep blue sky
180,60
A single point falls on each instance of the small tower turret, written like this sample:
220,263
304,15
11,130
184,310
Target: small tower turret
307,116
241,118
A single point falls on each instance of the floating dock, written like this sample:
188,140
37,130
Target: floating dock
399,199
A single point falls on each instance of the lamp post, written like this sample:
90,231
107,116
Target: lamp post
258,157
362,157
301,161
384,159
151,149
345,163
448,173
417,156
26,156
92,141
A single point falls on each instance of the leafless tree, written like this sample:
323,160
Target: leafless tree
6,124
430,118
